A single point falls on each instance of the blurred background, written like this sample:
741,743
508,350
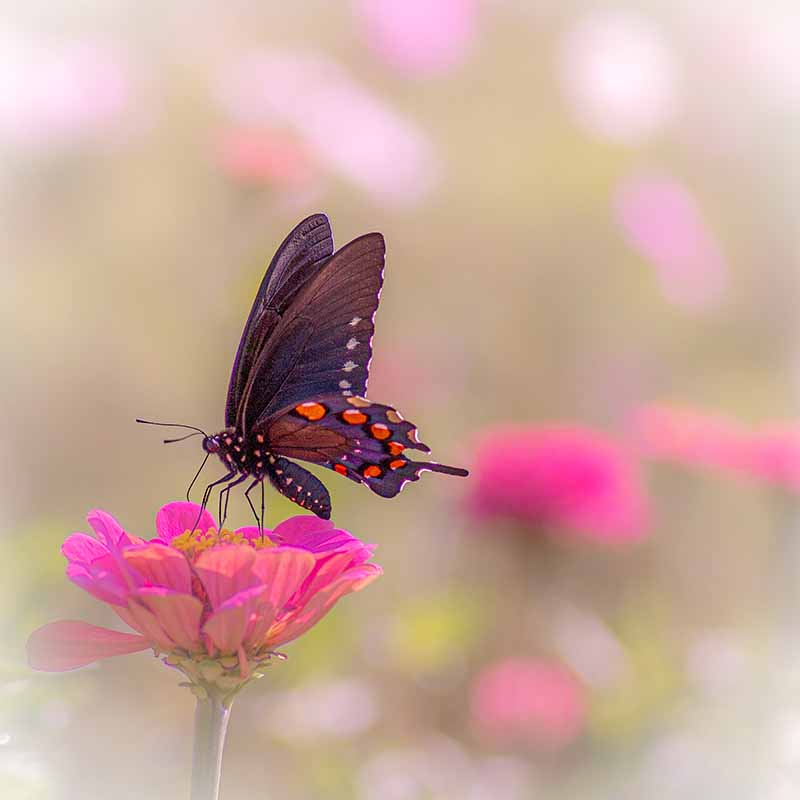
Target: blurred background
590,301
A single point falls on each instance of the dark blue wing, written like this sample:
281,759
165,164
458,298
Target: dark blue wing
300,256
322,343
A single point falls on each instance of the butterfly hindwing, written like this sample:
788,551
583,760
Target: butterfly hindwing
299,257
360,440
337,304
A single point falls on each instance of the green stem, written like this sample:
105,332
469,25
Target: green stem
210,726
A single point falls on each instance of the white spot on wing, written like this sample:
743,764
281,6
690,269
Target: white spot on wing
354,321
352,344
347,393
345,384
349,366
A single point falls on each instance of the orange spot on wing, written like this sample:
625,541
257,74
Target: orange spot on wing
353,417
397,463
380,431
311,411
371,471
395,448
340,468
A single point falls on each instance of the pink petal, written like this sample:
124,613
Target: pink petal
178,614
328,570
308,533
282,570
296,528
144,621
173,519
99,583
320,604
106,527
81,547
69,644
229,625
226,571
161,565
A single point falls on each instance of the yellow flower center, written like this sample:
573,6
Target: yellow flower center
192,543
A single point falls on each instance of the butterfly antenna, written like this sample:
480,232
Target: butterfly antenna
183,438
197,475
173,425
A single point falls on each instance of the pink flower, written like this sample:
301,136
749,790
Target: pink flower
342,124
537,703
214,603
263,157
64,94
619,76
661,220
565,476
419,36
770,452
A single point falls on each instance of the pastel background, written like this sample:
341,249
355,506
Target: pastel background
591,301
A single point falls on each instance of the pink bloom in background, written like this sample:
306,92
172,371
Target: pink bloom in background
618,76
564,476
419,37
340,123
538,703
215,603
661,220
259,157
769,452
63,93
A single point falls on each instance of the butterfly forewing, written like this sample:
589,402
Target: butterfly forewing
323,342
298,258
361,440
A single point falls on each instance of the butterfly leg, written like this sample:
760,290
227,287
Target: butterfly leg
207,494
259,520
223,511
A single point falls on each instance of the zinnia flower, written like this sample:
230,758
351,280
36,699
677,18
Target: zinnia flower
564,476
212,603
419,37
662,220
769,452
536,702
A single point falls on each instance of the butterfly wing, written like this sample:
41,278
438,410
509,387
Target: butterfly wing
361,440
300,256
322,343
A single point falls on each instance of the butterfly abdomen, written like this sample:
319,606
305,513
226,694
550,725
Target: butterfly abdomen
300,486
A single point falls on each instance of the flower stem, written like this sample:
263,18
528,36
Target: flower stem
210,726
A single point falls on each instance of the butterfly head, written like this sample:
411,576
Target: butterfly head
212,444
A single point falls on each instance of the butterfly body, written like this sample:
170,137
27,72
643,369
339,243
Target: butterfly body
300,374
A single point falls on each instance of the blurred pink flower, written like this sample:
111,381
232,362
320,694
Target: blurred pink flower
538,703
618,76
419,36
214,603
343,126
660,219
63,94
564,476
770,452
263,157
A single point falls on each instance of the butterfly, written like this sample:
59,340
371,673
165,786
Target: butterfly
298,383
